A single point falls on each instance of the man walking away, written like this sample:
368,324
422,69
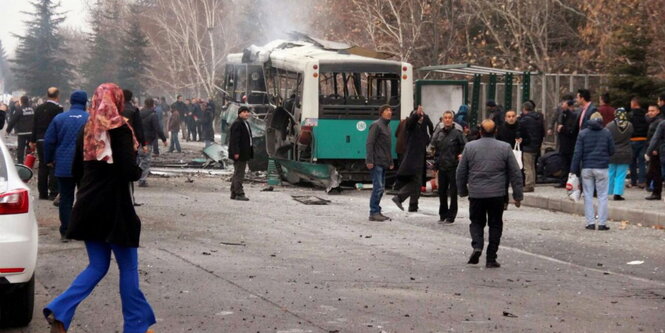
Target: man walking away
621,130
637,117
654,118
44,114
486,166
151,131
411,169
22,120
241,149
174,128
379,158
532,130
448,143
591,161
60,148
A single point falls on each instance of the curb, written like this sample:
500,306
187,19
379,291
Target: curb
633,216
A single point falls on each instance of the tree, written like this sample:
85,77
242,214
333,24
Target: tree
133,60
104,44
40,60
629,68
4,70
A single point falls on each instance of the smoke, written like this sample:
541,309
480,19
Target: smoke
276,18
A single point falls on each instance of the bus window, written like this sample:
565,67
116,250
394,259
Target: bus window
256,86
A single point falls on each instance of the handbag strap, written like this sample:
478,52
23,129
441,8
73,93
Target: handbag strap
517,147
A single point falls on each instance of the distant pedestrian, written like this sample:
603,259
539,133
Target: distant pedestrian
103,216
241,150
378,159
605,109
174,128
60,148
410,173
567,135
133,116
554,122
637,116
191,122
161,114
182,109
494,112
448,144
656,148
486,166
533,131
621,130
47,184
654,179
591,161
587,109
22,121
152,131
206,124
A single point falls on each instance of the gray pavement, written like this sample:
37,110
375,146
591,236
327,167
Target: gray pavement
634,210
209,264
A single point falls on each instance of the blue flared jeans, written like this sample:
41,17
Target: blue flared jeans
137,313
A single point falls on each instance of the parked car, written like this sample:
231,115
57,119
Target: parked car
18,243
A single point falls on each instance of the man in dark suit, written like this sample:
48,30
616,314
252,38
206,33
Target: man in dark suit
44,114
586,109
241,151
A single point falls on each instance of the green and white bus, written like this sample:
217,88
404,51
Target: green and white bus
316,102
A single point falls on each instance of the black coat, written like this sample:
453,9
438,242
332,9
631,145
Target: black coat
134,117
509,133
417,139
640,124
568,133
533,131
44,114
151,127
104,210
240,140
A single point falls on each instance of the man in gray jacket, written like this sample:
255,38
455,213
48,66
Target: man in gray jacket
486,166
378,159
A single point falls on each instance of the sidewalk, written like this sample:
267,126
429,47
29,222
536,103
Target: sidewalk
635,210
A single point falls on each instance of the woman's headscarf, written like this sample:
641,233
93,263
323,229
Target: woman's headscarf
105,115
621,118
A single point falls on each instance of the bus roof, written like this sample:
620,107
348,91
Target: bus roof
296,55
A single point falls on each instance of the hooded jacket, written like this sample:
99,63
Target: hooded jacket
62,133
593,148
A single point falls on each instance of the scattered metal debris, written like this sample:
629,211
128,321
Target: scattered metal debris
508,314
233,244
310,200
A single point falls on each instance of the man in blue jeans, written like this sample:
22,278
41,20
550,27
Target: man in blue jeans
591,161
378,159
60,148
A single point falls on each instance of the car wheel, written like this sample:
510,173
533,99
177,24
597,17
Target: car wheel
16,307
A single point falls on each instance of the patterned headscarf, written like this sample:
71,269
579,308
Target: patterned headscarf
105,115
621,118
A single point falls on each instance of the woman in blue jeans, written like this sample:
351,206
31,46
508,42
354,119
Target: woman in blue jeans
103,216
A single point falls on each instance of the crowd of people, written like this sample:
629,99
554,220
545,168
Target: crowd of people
607,149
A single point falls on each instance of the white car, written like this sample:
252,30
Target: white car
18,243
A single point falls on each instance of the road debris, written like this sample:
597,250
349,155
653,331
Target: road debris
635,262
310,200
508,314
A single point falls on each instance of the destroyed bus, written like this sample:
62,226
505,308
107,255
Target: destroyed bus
313,102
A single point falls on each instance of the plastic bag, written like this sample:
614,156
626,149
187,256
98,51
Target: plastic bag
518,155
573,187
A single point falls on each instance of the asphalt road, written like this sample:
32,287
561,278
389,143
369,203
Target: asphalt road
209,264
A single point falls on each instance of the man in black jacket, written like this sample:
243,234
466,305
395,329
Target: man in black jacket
151,130
638,142
378,158
241,150
567,137
182,109
654,118
533,131
132,114
448,144
22,120
44,114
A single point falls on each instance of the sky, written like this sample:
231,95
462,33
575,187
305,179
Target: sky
12,19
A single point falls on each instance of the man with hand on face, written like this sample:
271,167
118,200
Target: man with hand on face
241,150
378,159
